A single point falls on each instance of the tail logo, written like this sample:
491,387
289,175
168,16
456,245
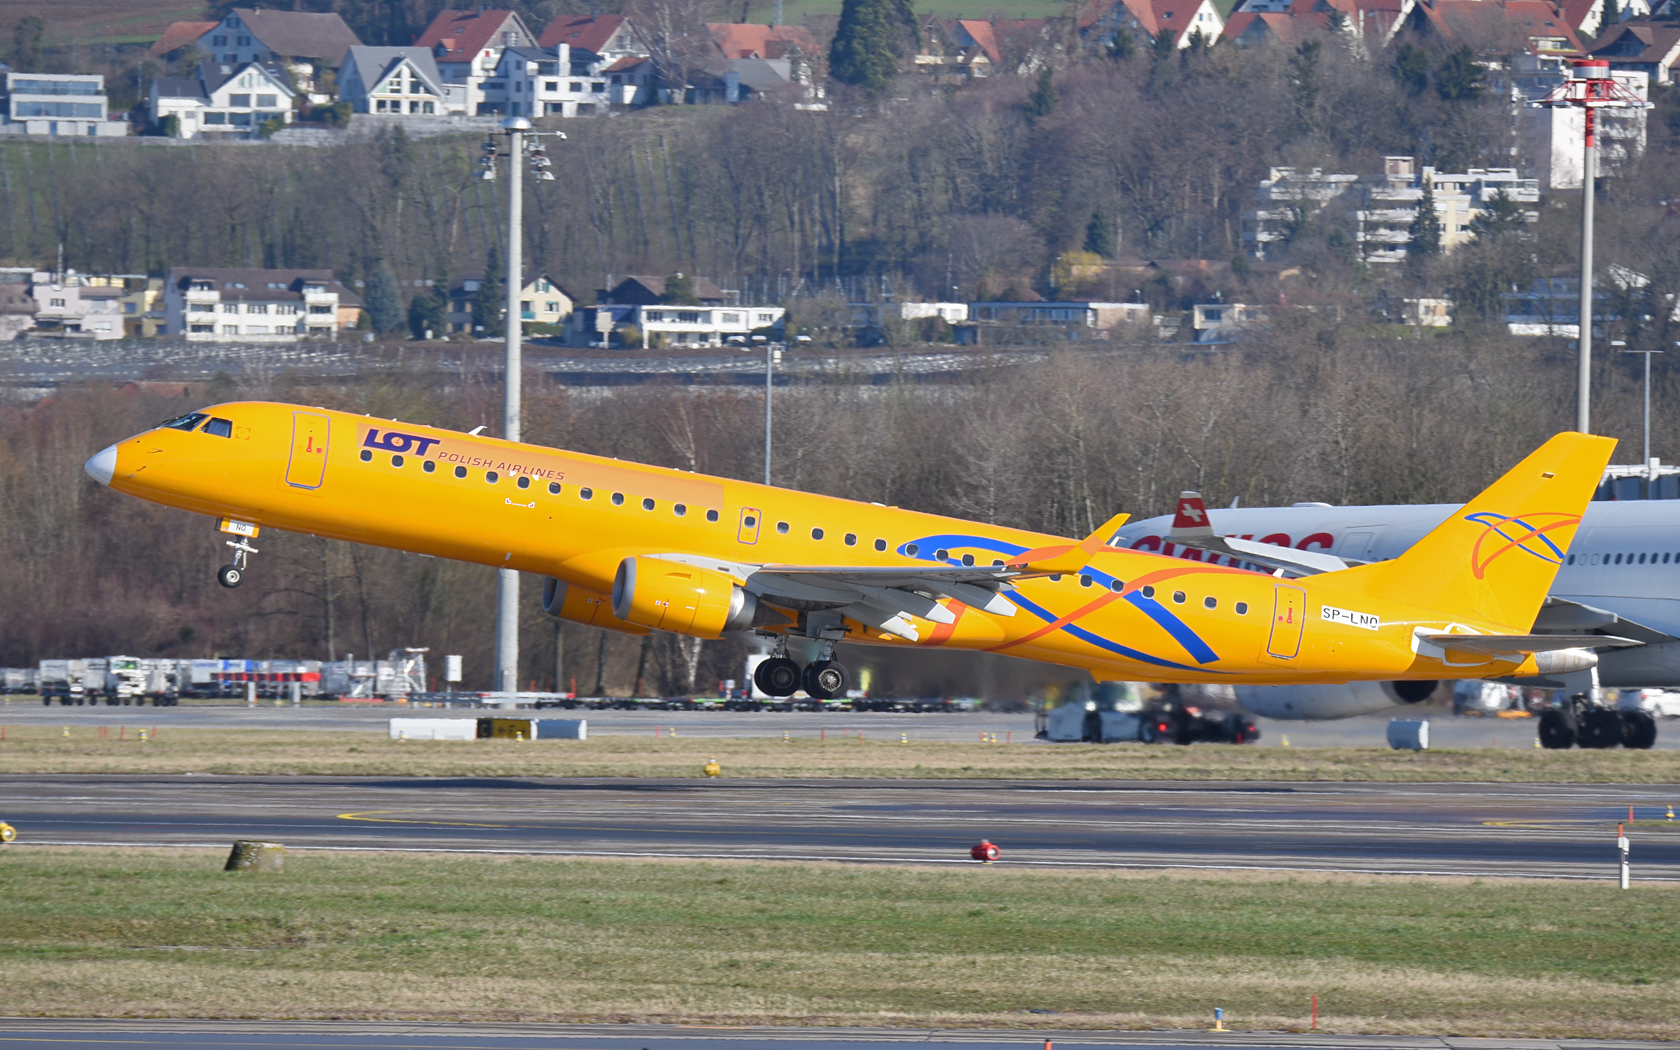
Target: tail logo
1503,533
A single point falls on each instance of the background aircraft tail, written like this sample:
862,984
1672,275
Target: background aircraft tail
1494,560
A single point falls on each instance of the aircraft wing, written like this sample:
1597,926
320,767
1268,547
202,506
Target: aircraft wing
1515,644
1561,614
1191,528
882,596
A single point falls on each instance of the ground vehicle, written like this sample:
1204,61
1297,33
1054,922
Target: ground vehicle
1118,715
1486,698
1658,703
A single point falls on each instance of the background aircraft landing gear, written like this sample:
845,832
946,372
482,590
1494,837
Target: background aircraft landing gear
233,575
1639,730
1600,728
1557,728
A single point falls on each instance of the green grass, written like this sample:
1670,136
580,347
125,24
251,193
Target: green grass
44,749
95,932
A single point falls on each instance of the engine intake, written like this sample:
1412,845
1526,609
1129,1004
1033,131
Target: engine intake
565,602
670,596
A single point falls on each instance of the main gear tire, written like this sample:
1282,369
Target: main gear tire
1600,728
1639,730
825,680
777,676
1557,729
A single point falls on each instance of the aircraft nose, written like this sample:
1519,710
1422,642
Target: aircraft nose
102,465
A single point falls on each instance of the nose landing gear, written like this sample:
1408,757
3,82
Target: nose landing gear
233,575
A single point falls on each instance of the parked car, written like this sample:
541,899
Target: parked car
1658,703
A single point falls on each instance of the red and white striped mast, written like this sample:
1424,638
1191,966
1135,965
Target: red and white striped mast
1589,88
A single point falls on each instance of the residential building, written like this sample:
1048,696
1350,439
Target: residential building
1184,19
467,46
232,104
76,306
17,305
1098,316
676,326
603,327
611,37
395,80
974,47
542,301
180,43
1225,322
873,315
306,44
1378,210
1650,48
58,104
211,304
1547,141
1370,23
1102,21
651,291
532,82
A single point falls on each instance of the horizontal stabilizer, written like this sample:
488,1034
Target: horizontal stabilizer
1513,644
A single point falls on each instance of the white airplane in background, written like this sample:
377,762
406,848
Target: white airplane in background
1620,578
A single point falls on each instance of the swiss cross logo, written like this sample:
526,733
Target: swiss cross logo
1191,511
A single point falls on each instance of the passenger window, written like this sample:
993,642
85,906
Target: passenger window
491,476
968,559
1149,592
880,545
711,515
186,422
1084,581
1665,557
367,455
1178,597
1571,560
679,509
782,527
618,499
1210,603
647,504
1242,608
222,428
586,493
1117,585
912,549
554,488
942,555
428,466
460,472
851,539
396,461
816,534
524,482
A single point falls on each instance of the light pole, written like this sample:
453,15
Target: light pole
772,353
507,579
1589,88
1646,416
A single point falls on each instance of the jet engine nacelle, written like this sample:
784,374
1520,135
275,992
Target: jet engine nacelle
686,599
565,602
1342,700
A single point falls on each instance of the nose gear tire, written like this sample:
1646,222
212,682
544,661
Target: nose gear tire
230,576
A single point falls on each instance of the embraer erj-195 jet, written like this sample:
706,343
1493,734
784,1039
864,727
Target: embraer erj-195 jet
635,548
1621,577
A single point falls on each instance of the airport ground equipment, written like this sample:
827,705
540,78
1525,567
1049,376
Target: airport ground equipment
1173,722
255,855
983,851
434,729
7,832
14,680
1408,734
533,729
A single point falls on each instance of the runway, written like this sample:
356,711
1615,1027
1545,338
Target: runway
54,1034
1518,830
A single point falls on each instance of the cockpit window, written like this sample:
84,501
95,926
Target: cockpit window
222,428
186,422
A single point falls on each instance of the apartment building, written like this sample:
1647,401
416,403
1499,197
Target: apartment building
213,304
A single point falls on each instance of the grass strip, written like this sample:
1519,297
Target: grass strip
155,932
45,749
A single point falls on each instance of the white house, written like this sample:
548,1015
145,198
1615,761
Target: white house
531,82
66,305
393,80
58,104
230,104
682,326
212,304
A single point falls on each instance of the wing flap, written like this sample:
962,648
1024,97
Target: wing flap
1516,644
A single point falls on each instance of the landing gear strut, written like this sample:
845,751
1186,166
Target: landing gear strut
233,575
822,679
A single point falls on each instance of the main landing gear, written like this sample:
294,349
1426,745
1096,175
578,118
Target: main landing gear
233,575
823,679
1577,721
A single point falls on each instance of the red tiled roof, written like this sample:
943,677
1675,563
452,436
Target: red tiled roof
179,35
750,40
463,34
1275,24
627,62
590,32
981,33
1179,16
1578,11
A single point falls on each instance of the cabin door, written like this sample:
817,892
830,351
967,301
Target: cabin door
1289,613
307,467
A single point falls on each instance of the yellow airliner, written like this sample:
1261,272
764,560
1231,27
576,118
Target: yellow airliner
637,548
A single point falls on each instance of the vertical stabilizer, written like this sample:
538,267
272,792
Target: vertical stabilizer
1493,560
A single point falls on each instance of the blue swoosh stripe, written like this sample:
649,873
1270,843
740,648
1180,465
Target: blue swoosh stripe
1097,640
929,544
1180,630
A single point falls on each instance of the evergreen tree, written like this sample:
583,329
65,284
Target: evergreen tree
1042,102
429,312
679,291
1122,46
1163,46
489,303
1459,76
1411,69
383,298
1425,229
1501,215
1099,235
1303,78
1612,15
26,44
870,41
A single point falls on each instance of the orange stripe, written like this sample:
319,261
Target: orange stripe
1110,596
942,632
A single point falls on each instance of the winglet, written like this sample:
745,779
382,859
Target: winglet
1056,560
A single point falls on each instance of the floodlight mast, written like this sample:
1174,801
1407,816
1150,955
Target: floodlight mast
1589,88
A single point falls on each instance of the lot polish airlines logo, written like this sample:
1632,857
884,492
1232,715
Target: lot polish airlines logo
394,441
1503,533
